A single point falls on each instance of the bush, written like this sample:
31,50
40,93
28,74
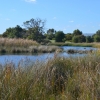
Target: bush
96,38
59,36
89,39
78,39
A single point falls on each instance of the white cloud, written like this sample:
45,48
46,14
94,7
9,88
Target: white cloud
30,0
71,21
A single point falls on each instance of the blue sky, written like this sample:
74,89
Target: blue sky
64,15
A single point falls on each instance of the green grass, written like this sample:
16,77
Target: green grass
73,44
52,41
58,79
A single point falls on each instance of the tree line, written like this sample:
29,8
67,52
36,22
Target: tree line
34,30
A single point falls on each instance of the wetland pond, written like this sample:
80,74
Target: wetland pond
27,58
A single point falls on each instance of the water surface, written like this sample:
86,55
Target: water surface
16,59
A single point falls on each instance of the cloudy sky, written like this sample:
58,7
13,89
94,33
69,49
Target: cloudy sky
65,15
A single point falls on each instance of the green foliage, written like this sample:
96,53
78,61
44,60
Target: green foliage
50,34
68,36
51,31
89,39
77,32
98,32
15,32
78,39
59,36
75,39
35,29
96,38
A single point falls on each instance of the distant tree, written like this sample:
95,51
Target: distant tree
89,39
51,31
50,34
77,32
96,38
35,29
59,36
15,32
98,32
68,36
75,39
79,39
7,32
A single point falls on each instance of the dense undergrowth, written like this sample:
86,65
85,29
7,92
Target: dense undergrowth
56,79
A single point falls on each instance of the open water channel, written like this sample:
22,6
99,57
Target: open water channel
25,58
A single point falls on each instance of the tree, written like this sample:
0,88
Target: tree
35,29
59,36
50,34
7,32
68,36
98,32
96,38
89,39
15,32
75,39
79,39
77,32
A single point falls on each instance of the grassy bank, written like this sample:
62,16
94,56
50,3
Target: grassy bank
58,79
73,44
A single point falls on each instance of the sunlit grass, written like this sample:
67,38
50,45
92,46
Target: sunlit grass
8,45
57,79
8,42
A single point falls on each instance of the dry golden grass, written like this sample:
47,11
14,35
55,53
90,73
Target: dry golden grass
8,45
8,42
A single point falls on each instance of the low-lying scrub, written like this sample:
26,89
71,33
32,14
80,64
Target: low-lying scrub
31,49
56,79
72,51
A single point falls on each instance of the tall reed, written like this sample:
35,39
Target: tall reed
8,42
24,46
56,79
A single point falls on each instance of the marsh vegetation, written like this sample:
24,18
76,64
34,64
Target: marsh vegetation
24,46
57,79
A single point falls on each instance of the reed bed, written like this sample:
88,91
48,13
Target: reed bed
8,42
24,46
56,79
97,45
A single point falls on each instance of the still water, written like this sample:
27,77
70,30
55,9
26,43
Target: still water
40,57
